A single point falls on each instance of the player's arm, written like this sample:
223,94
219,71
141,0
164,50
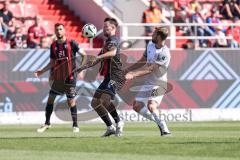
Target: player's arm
147,70
140,63
111,50
160,61
45,69
83,54
111,53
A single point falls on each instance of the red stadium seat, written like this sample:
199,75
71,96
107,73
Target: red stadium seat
4,46
15,8
30,11
49,27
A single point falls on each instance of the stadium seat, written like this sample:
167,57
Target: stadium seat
15,8
48,26
4,46
30,11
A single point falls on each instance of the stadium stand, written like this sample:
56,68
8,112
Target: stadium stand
51,11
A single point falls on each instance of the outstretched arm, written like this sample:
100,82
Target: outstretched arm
45,69
149,69
108,54
83,54
137,65
89,64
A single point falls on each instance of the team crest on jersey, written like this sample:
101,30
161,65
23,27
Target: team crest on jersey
161,57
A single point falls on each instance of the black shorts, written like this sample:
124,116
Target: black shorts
107,86
60,88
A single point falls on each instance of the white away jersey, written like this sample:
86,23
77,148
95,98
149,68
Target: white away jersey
160,56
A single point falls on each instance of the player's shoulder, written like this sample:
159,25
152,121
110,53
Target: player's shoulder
53,43
73,42
150,44
114,39
166,51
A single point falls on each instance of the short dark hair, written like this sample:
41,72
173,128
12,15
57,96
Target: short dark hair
162,32
58,24
111,21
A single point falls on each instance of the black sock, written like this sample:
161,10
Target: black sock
112,110
106,119
74,115
48,113
104,115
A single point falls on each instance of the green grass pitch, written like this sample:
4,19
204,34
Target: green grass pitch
141,141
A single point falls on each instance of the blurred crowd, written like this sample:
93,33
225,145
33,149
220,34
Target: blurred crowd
19,33
14,33
192,11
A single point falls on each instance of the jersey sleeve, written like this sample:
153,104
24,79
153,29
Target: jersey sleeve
111,44
163,58
52,55
75,46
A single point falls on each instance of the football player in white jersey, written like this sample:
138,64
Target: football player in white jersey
157,59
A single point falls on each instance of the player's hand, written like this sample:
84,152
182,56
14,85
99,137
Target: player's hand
38,73
129,76
92,59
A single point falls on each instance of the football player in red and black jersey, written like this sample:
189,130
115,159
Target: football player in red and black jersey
111,70
63,53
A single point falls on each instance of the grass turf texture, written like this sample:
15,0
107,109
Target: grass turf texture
141,141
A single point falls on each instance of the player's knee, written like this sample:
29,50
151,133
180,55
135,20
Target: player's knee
137,106
152,106
51,99
95,103
71,103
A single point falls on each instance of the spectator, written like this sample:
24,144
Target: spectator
182,14
45,42
18,40
181,8
2,28
201,29
152,15
221,40
11,29
6,16
235,33
230,9
35,33
214,18
193,5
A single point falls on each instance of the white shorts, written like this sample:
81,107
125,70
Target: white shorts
146,93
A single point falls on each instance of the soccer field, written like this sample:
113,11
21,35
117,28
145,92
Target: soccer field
189,141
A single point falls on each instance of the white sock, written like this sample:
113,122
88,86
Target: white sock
160,122
146,113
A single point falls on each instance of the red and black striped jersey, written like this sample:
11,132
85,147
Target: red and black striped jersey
64,55
112,67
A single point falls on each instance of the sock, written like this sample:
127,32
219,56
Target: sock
112,110
101,111
48,113
146,113
161,123
74,115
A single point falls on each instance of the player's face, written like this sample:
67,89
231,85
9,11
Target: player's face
60,32
155,37
108,29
